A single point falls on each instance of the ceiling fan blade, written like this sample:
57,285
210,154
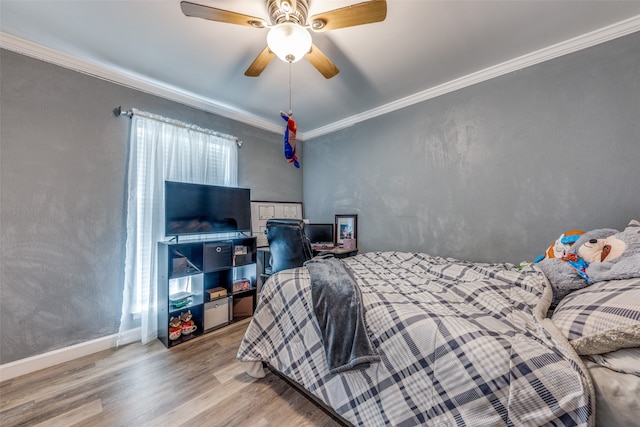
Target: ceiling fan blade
320,61
260,63
350,16
213,14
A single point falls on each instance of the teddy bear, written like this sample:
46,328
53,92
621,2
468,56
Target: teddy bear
613,257
597,255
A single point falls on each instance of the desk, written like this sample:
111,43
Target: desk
264,266
337,252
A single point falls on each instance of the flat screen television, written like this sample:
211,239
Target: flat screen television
205,209
319,234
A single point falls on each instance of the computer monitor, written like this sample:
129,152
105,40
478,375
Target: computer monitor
319,234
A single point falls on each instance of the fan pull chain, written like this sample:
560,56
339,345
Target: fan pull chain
290,108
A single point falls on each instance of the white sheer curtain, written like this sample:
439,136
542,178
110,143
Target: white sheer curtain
162,149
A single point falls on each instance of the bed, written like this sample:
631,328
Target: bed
405,339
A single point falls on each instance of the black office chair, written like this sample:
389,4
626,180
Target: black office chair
288,245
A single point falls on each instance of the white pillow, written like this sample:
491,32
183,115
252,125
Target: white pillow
626,360
601,318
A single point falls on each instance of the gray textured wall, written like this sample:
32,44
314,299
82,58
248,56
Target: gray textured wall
495,171
63,161
491,172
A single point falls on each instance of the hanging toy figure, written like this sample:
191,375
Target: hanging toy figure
290,139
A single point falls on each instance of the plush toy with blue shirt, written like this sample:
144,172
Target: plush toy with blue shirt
561,246
290,139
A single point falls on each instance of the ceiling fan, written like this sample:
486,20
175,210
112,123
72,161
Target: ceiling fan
288,37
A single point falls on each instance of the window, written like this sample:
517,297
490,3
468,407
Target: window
162,149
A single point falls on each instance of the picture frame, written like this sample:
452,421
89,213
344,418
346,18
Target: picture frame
346,226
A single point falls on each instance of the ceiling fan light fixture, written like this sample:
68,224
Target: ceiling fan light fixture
290,42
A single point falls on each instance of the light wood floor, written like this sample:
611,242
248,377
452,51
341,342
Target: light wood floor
198,383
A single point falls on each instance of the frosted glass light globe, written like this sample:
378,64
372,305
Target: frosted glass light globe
289,41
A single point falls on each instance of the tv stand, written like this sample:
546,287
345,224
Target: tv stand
204,285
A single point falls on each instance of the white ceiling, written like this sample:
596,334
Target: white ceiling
421,50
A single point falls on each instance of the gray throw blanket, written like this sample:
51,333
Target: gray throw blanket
337,304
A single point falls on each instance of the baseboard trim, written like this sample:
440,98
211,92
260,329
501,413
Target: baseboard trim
41,361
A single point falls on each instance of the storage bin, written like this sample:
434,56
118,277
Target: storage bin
243,307
216,313
217,256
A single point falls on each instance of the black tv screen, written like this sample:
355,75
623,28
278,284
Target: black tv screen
205,209
319,233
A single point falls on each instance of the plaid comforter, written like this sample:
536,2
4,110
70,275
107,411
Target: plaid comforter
460,344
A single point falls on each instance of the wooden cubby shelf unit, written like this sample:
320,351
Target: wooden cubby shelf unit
204,285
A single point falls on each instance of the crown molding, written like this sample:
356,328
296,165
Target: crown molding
131,80
584,41
153,87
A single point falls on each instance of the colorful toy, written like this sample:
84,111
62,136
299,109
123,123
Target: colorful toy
578,263
598,255
188,325
561,246
290,139
572,273
175,328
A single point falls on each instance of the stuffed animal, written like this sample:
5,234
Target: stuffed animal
578,263
602,250
188,325
598,255
290,139
561,246
175,328
613,257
